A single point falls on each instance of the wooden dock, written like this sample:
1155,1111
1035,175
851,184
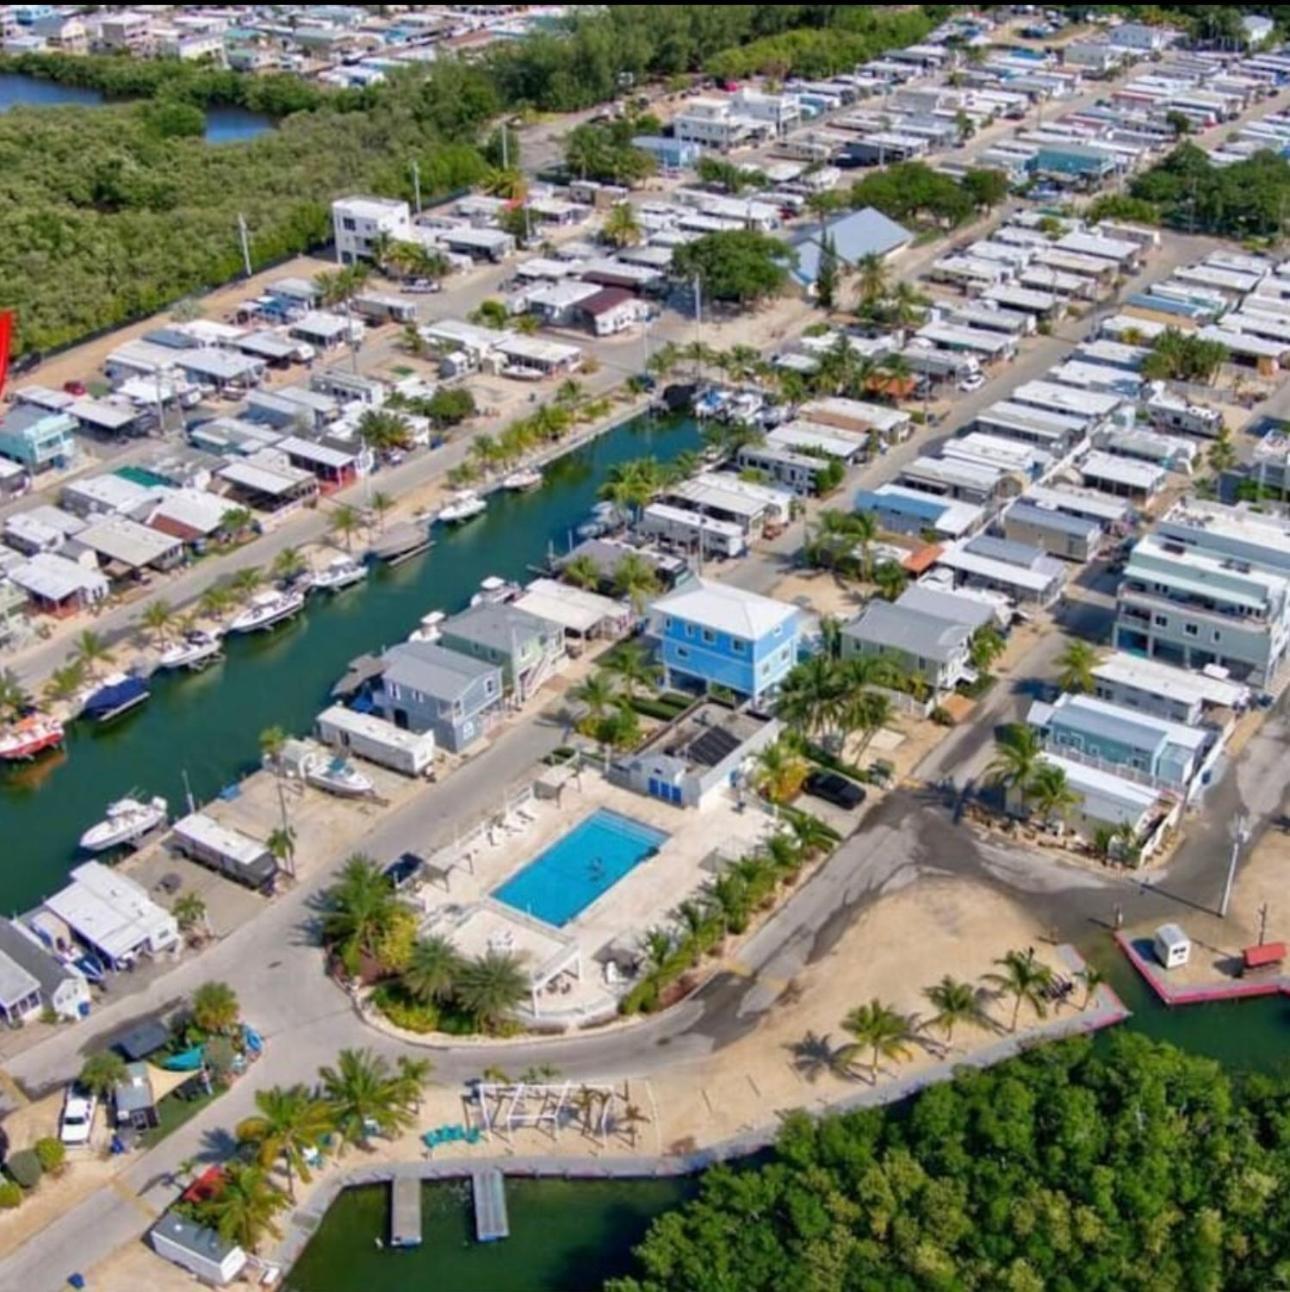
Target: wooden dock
405,1212
491,1221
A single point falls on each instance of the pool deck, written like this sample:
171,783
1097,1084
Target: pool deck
640,899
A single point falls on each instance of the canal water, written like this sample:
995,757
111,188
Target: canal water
566,1236
223,124
208,725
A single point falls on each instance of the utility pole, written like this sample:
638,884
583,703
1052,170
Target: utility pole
246,243
1240,829
416,185
506,152
698,322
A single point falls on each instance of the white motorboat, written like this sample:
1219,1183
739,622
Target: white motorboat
340,777
267,610
605,518
464,505
193,651
339,573
495,592
127,819
430,629
524,480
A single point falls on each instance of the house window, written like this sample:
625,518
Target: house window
739,647
1160,621
1192,630
490,687
683,652
709,636
1218,637
348,225
667,623
689,630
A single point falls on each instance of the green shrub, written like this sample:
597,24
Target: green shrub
404,1012
51,1154
818,754
10,1195
25,1168
648,708
942,717
643,998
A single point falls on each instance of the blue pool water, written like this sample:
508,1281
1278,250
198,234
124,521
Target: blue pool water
580,867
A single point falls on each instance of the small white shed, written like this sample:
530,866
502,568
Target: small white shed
1172,946
200,1251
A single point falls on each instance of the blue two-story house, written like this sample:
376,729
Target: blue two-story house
713,635
427,688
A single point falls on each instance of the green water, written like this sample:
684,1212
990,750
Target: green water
566,1236
208,725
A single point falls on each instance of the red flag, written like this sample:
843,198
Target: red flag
6,339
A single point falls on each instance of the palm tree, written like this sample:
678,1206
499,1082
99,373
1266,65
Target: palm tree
957,1002
1018,754
359,909
244,583
872,271
384,431
883,1031
864,529
812,836
91,650
598,694
216,601
636,579
364,1097
509,183
1049,792
412,1076
1076,665
101,1073
906,304
346,521
491,986
157,619
1092,980
236,521
729,896
189,910
634,667
14,699
243,1208
65,683
432,970
890,579
273,740
1222,453
869,712
281,844
381,504
412,340
986,647
779,771
582,572
1025,979
288,565
664,360
289,1123
215,1008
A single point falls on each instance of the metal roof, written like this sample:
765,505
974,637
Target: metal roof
434,670
727,609
913,632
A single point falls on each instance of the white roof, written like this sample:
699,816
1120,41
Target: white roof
321,323
814,435
729,493
1170,683
726,609
956,557
55,578
192,508
119,539
1078,502
208,833
529,347
109,910
956,518
955,472
1063,399
111,492
1106,797
1128,471
687,516
375,729
312,452
271,477
574,609
875,415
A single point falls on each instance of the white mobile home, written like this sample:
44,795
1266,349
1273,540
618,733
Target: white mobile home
376,740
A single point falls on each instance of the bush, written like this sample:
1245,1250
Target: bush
942,717
25,1168
51,1153
649,708
404,1012
10,1195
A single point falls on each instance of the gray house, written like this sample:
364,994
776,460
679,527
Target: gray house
936,649
524,646
427,688
24,961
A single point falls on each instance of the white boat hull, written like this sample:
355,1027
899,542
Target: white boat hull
338,583
193,657
122,827
260,620
356,787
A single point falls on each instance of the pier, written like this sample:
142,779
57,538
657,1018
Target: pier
491,1220
405,1211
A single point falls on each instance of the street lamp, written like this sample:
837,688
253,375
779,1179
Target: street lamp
1240,831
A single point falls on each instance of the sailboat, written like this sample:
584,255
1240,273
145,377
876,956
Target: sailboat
465,505
267,610
127,819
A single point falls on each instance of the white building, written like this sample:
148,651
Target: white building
358,221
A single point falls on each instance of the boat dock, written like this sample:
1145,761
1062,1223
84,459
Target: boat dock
491,1221
405,1212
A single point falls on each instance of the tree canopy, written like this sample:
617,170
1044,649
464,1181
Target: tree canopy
740,266
1077,1166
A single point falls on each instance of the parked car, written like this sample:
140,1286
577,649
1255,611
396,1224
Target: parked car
973,381
79,1106
835,788
77,388
403,870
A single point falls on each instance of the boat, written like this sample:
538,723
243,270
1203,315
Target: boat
711,403
267,610
605,518
339,573
522,372
340,777
430,629
465,505
401,543
194,651
745,406
525,480
118,695
495,592
127,819
29,737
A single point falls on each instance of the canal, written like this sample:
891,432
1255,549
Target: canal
223,124
208,725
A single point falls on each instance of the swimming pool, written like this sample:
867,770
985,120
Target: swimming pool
579,867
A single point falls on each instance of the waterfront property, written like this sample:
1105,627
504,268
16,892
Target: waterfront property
713,635
1177,694
32,980
425,687
200,1251
526,648
367,736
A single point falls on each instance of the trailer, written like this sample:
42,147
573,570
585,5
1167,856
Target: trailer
376,740
225,850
